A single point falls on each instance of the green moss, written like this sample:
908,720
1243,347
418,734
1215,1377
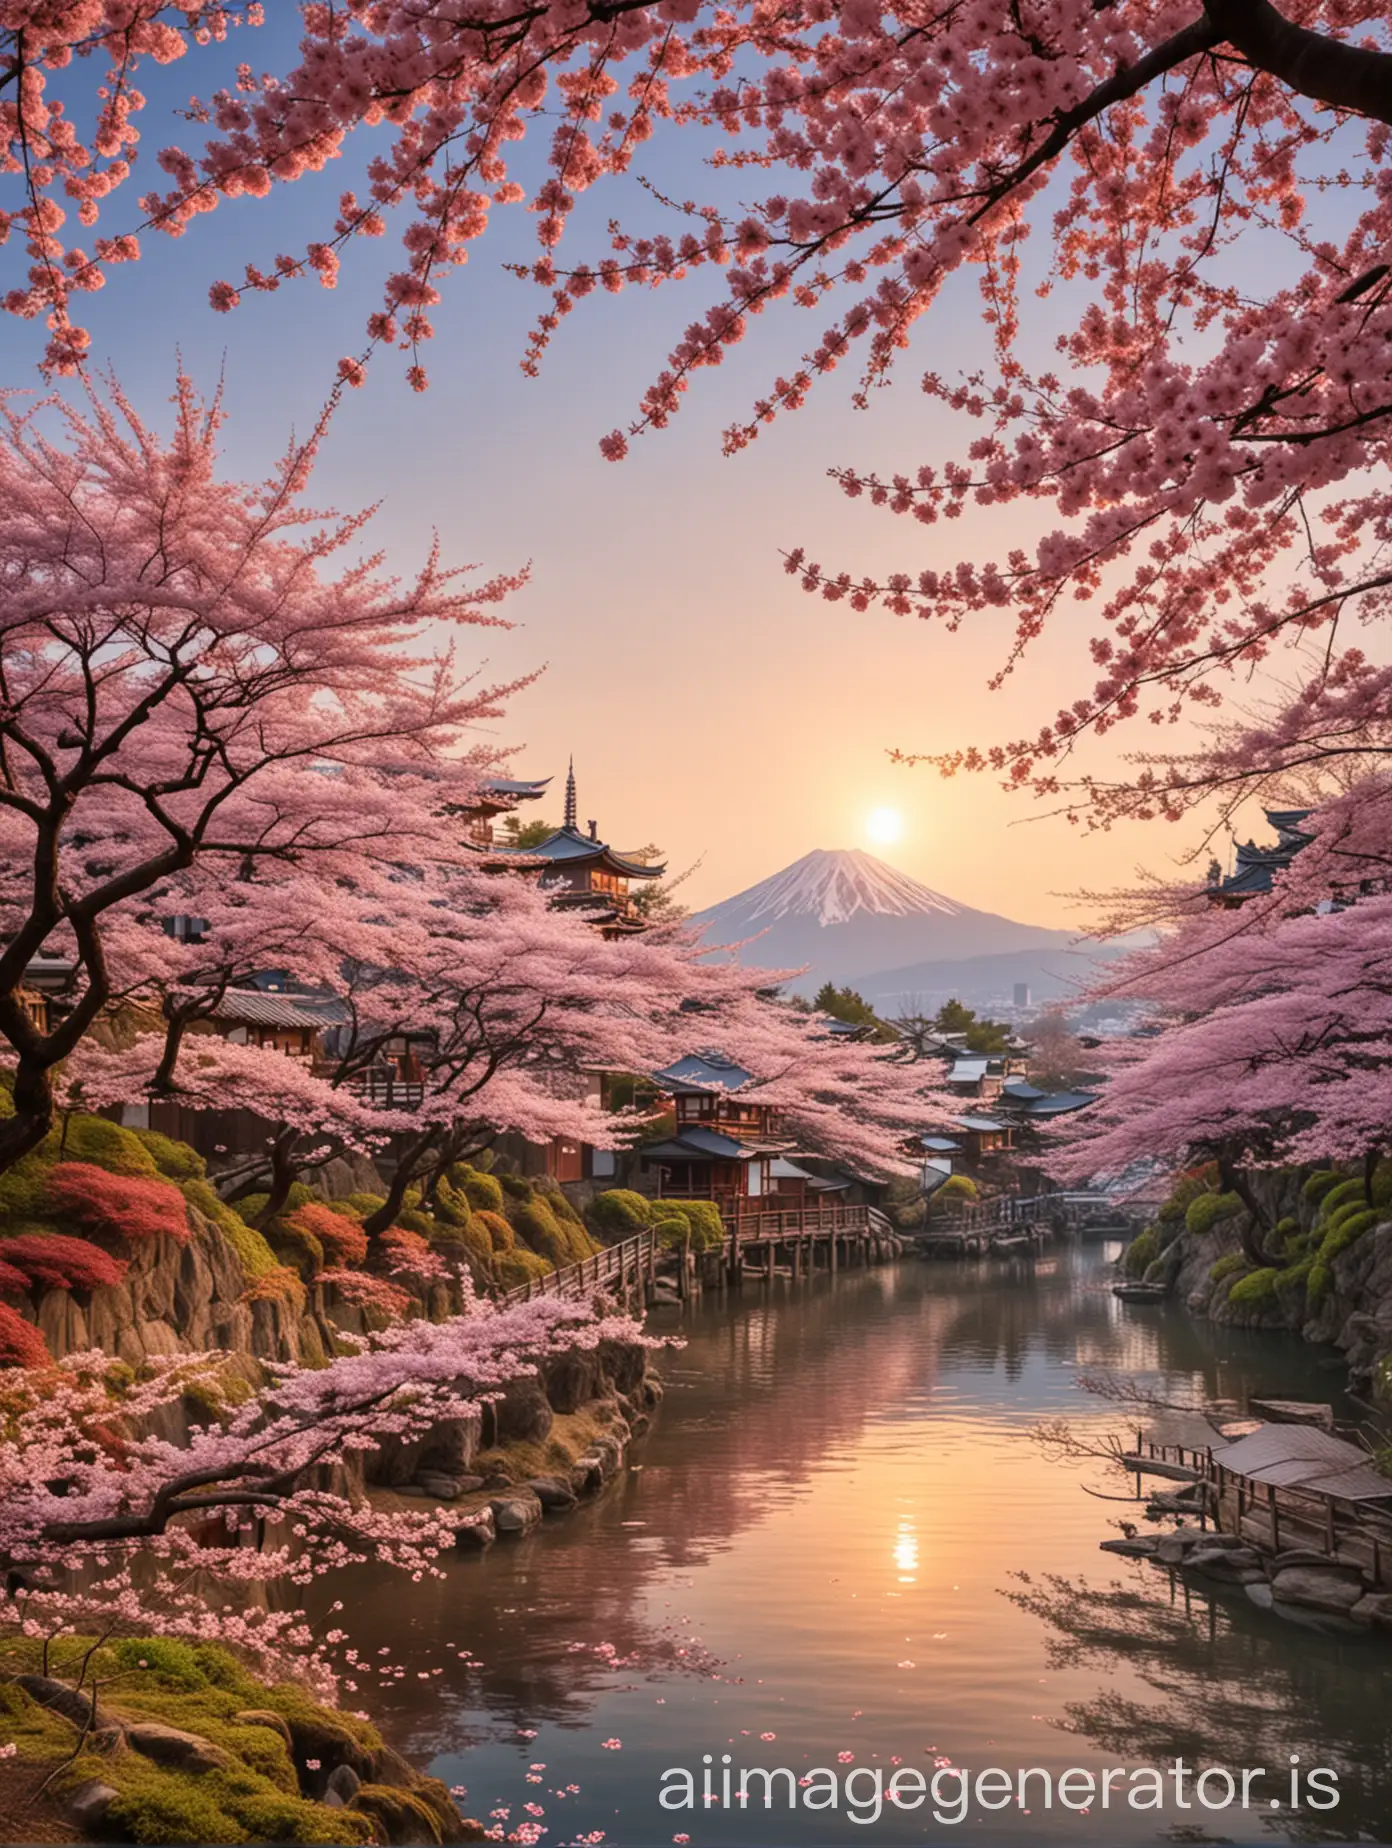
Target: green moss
364,1203
618,1213
1185,1191
957,1187
516,1186
75,1137
560,1205
292,1245
1344,1194
1318,1184
253,1253
1141,1252
201,1689
414,1220
451,1205
1227,1266
514,1268
1203,1213
556,1239
405,1816
672,1232
702,1218
1382,1184
482,1191
1258,1286
175,1160
499,1233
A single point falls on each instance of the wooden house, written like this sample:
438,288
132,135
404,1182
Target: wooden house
500,795
725,1145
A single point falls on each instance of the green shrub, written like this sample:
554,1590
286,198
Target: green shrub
175,1160
672,1233
1227,1266
1338,1238
516,1186
957,1187
364,1203
702,1218
554,1238
1382,1184
1345,1193
1319,1183
76,1137
451,1205
619,1213
1203,1213
253,1253
414,1220
1188,1188
482,1191
1141,1253
513,1268
499,1233
296,1247
1258,1286
560,1204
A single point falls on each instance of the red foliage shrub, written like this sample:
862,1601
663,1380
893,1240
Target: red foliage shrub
50,1261
131,1206
12,1281
407,1253
343,1239
21,1344
365,1292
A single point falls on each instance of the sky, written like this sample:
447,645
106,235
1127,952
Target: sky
710,704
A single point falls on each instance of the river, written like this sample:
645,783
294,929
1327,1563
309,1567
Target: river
840,1537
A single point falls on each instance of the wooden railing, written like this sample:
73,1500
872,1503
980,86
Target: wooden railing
1021,1209
387,1090
621,1264
794,1221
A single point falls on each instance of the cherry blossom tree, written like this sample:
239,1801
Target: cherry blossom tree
1267,1037
185,683
103,1525
1208,443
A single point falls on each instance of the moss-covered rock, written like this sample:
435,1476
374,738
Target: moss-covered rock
1142,1252
1205,1212
557,1239
176,1161
511,1269
1257,1287
499,1233
1318,1184
482,1191
1227,1266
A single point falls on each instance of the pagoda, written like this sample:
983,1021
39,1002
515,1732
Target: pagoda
580,872
1256,869
498,796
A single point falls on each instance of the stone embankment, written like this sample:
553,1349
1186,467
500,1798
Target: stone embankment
1296,1583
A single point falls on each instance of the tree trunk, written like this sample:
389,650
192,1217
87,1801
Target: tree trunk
34,1112
283,1167
408,1169
1254,1226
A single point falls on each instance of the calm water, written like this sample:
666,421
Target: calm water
840,1533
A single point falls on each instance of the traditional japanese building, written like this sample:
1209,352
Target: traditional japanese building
499,796
726,1146
1256,867
581,872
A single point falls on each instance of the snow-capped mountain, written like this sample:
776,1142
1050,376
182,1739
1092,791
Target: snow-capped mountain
849,915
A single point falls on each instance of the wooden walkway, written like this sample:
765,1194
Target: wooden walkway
619,1267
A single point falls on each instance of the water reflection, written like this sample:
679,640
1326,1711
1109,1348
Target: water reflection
823,1539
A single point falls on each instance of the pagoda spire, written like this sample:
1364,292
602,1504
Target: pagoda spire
571,810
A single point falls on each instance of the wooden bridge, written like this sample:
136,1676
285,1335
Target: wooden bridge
1017,1221
801,1239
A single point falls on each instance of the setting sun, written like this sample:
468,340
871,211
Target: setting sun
884,826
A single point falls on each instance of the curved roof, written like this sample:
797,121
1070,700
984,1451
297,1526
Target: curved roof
703,1072
569,847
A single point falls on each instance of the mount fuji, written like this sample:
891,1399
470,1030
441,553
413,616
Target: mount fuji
852,919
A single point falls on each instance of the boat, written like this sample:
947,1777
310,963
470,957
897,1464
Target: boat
1140,1292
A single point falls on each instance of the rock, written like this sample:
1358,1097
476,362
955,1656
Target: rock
59,1698
1173,1549
1229,1565
554,1495
517,1513
479,1531
184,1751
444,1488
342,1786
410,1488
88,1804
623,1362
1301,1556
467,1484
586,1475
263,1716
1261,1594
571,1379
1142,1547
523,1413
1374,1608
1322,1588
